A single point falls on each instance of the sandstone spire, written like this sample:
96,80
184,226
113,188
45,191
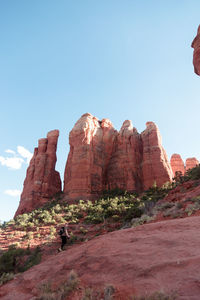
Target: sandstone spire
155,164
177,164
191,163
42,181
91,143
124,170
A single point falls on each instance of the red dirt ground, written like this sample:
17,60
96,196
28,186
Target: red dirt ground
162,256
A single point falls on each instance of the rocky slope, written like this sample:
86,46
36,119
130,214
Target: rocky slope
135,261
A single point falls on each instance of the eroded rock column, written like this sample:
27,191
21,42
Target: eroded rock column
155,165
91,143
177,164
42,180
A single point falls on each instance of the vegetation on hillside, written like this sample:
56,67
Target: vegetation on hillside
16,260
116,208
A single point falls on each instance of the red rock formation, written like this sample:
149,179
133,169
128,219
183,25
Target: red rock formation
191,163
196,53
91,143
124,170
177,164
100,158
155,164
42,181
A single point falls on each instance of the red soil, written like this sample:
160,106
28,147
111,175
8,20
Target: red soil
162,256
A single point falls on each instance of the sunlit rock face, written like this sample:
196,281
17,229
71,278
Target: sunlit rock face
124,169
191,163
155,165
91,146
42,181
196,53
177,164
101,158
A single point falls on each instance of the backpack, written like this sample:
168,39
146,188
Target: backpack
62,230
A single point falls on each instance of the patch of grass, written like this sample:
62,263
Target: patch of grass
60,293
156,296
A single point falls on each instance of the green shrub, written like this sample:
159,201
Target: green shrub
16,260
192,208
5,277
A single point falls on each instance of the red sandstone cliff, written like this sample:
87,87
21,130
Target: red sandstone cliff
91,143
124,170
177,164
42,181
155,165
101,158
191,163
196,53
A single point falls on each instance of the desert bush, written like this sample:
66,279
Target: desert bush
192,208
191,174
5,277
143,219
62,292
16,260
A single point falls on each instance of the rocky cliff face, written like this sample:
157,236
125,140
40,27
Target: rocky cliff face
91,145
196,53
191,163
177,164
42,181
101,158
124,169
155,165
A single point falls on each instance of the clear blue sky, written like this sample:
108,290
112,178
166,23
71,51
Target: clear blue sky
116,59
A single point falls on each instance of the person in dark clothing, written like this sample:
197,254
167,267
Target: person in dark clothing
64,235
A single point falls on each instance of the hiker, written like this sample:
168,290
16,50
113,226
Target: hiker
64,235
